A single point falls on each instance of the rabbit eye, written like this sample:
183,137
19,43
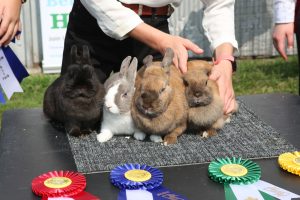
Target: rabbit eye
206,82
124,95
185,83
162,90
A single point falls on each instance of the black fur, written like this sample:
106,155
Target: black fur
75,98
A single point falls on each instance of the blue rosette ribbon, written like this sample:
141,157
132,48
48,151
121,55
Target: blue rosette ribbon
153,177
138,181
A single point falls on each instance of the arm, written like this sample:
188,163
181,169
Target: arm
10,23
119,22
160,41
218,23
284,25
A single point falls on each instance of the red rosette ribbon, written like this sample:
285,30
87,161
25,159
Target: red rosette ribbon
58,184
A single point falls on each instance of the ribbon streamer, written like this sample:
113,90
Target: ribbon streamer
141,182
8,80
12,72
261,190
159,193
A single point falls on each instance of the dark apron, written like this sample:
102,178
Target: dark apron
297,31
106,52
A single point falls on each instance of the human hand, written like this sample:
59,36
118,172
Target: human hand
222,74
180,48
10,20
281,33
160,41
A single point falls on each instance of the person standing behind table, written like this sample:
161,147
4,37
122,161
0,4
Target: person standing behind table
10,20
287,22
140,27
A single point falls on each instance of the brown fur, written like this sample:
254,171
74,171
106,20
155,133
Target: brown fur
205,104
159,105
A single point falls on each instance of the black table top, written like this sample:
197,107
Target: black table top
29,146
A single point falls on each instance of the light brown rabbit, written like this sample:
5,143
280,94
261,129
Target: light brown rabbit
205,114
159,107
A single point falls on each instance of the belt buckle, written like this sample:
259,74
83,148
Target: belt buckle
140,10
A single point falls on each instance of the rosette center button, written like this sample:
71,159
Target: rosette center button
234,170
138,175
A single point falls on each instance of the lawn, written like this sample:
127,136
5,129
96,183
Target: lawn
253,77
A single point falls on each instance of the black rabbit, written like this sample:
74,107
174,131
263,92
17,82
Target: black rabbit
75,98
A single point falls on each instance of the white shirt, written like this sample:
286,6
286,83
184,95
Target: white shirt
284,11
117,21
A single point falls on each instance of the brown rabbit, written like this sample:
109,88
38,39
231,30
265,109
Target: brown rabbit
205,114
159,105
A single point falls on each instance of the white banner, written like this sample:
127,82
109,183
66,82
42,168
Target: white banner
275,191
54,21
8,81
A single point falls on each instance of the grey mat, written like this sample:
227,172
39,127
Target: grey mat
246,136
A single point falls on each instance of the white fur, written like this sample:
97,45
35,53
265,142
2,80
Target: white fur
205,134
139,135
114,123
109,99
156,138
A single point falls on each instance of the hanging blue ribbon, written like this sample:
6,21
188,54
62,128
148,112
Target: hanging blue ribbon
16,67
150,189
15,64
2,99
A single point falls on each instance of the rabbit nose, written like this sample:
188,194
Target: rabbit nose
197,94
144,95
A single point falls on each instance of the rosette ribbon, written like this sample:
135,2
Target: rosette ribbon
241,180
290,162
141,182
12,72
61,185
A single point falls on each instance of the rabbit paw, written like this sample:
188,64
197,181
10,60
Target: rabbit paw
74,131
169,140
227,121
156,138
139,136
205,134
104,136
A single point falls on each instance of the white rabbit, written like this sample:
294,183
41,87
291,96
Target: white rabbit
117,101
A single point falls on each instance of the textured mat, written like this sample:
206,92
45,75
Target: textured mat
246,136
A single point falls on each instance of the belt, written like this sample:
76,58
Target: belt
143,10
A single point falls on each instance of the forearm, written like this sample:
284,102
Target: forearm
225,49
148,35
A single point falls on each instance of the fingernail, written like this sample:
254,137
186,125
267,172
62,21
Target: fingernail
290,47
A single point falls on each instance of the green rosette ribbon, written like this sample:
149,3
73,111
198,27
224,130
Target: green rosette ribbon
234,171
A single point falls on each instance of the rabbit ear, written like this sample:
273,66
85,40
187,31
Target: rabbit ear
148,60
74,55
86,55
132,70
168,59
124,66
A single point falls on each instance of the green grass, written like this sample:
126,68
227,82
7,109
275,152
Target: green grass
253,77
266,76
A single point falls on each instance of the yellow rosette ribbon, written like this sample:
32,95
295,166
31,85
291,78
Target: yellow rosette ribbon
290,162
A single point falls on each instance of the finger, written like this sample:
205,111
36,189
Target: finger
7,37
175,61
182,61
189,45
20,30
290,40
229,102
231,107
14,32
280,46
3,30
215,75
